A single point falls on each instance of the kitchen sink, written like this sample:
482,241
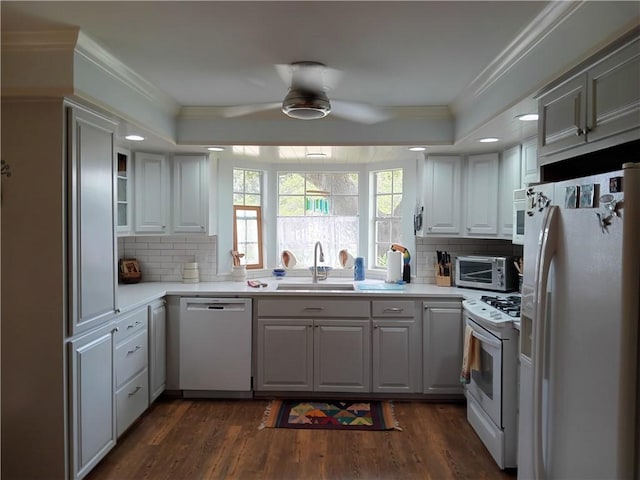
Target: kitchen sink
314,287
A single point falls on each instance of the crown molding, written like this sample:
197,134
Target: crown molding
40,40
105,61
550,18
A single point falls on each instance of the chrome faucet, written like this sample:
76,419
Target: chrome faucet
314,273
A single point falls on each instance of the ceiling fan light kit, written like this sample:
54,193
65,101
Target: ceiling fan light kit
305,104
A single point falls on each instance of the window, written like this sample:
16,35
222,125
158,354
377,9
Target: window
317,206
247,216
387,192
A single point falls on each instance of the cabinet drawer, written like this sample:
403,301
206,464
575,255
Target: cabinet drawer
130,323
132,400
131,357
391,308
311,307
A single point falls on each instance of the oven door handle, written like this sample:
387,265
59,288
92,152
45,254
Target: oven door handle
491,341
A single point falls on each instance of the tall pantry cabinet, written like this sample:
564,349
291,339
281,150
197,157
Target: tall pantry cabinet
58,289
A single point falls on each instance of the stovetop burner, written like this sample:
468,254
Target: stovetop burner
509,305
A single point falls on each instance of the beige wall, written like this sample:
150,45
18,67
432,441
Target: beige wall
33,290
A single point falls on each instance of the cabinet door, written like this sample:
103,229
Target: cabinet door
482,194
614,86
396,356
92,399
562,114
151,193
442,349
124,167
530,170
157,349
442,194
93,278
189,194
509,181
285,355
342,356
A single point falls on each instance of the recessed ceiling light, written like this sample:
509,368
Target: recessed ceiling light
216,149
135,138
316,155
417,149
527,117
489,140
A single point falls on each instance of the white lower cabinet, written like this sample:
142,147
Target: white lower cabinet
313,345
131,367
396,347
442,347
92,381
157,312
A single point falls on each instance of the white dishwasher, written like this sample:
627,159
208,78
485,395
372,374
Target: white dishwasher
215,344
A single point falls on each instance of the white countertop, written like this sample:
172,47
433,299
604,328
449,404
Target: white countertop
135,295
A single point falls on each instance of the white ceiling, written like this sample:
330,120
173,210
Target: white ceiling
395,54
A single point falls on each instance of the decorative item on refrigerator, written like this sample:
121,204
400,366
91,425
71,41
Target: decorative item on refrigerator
394,266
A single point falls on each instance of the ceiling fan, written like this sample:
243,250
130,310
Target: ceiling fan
307,99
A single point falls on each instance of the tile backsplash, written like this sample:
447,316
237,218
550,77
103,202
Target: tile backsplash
425,261
161,257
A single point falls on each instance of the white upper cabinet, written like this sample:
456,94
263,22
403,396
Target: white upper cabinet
482,194
530,170
151,193
124,167
92,240
443,193
190,194
602,102
509,181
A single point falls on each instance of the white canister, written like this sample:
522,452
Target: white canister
239,273
190,273
394,266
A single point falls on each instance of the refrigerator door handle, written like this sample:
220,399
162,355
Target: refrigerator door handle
546,249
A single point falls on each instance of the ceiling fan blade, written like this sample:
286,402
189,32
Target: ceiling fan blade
240,110
359,112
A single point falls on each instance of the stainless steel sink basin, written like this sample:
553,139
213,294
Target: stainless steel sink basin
314,287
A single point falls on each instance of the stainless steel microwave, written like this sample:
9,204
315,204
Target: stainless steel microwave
487,273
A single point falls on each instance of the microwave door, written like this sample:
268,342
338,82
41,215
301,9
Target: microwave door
478,276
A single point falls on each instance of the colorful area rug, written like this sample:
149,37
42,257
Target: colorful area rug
330,414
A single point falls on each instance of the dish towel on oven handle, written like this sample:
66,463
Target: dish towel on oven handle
470,355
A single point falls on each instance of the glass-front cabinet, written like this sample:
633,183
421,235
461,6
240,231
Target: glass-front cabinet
123,191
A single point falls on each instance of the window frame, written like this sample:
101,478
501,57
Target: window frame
258,210
374,214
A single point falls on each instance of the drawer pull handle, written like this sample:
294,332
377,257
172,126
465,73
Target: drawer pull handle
393,310
138,388
314,309
138,347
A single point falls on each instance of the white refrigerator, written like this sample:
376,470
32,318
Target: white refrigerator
579,364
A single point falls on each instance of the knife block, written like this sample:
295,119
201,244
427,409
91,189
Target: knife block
441,280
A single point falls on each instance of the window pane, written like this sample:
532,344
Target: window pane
345,206
397,205
319,181
253,200
383,231
238,180
251,253
383,182
383,205
252,181
252,231
344,184
291,183
396,231
397,181
381,255
238,199
291,206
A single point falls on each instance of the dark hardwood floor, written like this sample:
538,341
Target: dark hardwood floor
219,439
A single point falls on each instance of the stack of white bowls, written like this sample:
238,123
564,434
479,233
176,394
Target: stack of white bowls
190,273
